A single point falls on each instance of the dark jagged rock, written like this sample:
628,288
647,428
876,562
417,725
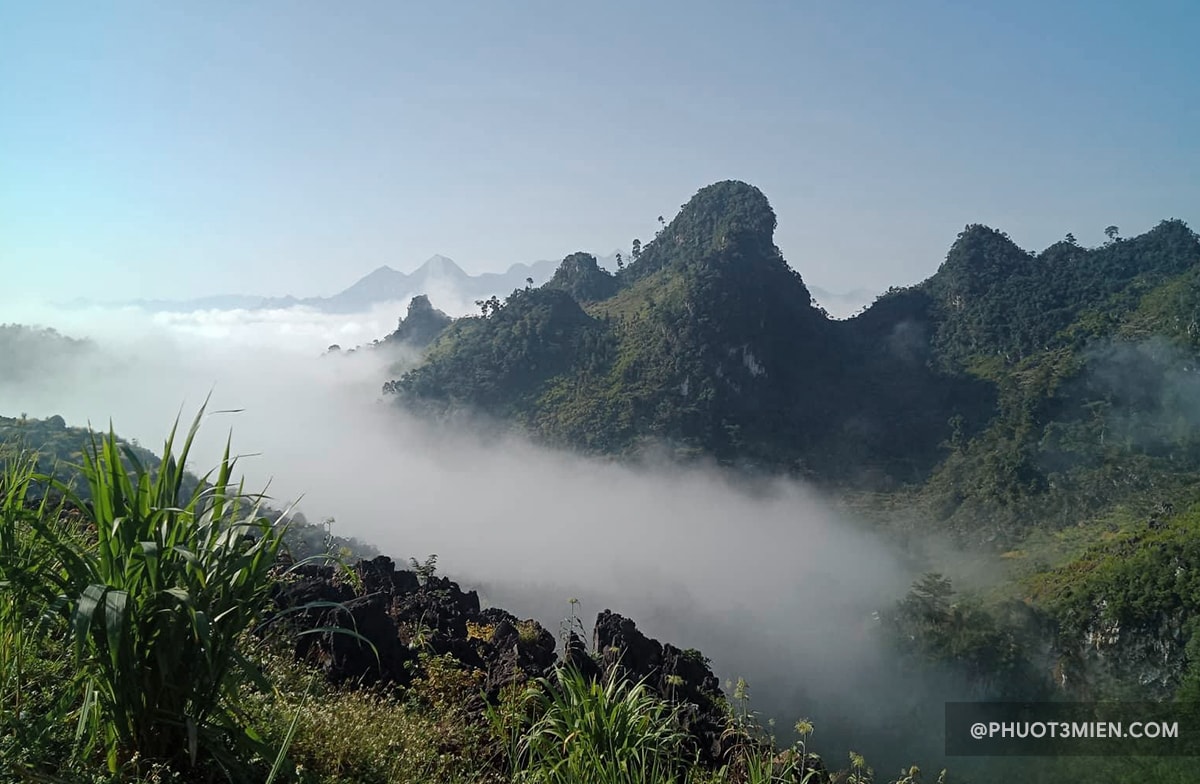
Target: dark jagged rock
576,655
404,613
392,609
344,657
680,676
517,652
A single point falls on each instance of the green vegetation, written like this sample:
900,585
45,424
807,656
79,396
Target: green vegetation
132,648
123,611
422,324
580,276
155,606
1009,391
603,731
148,587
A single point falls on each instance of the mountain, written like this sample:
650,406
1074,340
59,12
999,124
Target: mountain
581,276
385,284
707,342
439,277
1003,377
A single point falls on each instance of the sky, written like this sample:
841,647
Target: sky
173,150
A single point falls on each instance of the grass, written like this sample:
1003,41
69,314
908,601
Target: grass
611,731
340,735
148,587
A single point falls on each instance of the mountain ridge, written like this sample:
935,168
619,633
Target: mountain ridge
710,344
385,283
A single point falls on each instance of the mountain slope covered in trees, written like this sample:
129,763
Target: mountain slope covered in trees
1002,376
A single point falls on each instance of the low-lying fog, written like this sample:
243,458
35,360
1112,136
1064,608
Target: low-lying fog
769,583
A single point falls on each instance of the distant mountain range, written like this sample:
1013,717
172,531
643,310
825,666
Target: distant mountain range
448,286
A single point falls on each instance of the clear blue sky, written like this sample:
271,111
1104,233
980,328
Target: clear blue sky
186,148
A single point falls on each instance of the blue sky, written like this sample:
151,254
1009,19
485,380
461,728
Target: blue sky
182,149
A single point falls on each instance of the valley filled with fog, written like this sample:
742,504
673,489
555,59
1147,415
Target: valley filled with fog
765,578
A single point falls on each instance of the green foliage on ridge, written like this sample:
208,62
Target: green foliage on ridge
996,392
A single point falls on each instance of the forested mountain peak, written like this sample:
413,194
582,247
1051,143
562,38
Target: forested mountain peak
724,222
581,276
980,258
723,214
995,299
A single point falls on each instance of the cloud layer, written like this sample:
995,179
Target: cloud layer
766,580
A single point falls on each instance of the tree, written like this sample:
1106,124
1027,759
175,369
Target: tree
620,262
929,597
1071,238
486,305
1113,233
529,283
637,249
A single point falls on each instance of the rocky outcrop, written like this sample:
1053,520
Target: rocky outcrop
677,675
1151,655
371,625
423,323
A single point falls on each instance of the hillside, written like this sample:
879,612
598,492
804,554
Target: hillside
702,342
998,378
57,450
29,352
